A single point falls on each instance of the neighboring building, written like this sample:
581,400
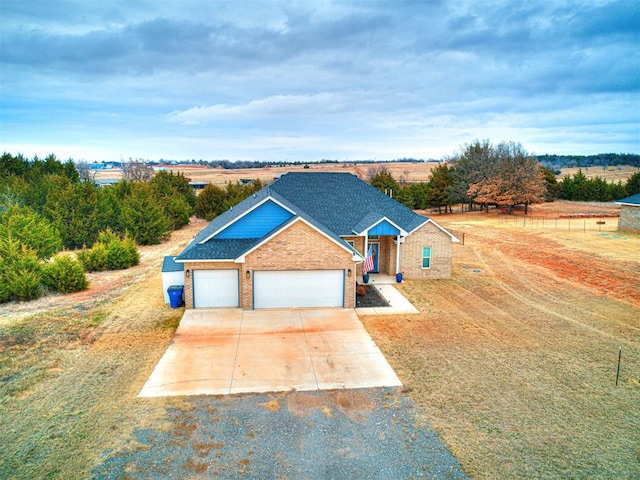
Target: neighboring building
629,214
301,241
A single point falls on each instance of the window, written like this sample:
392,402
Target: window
426,257
374,237
352,243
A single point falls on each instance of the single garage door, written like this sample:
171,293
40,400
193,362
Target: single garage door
215,288
299,288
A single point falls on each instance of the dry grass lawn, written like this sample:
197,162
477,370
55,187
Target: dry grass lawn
513,360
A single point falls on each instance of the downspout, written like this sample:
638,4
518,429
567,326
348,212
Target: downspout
366,244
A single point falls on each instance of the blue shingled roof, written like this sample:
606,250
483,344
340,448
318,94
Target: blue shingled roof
169,265
338,204
341,201
632,200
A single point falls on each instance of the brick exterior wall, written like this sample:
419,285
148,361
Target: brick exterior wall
299,247
629,219
441,253
411,264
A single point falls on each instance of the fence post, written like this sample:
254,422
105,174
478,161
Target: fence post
618,371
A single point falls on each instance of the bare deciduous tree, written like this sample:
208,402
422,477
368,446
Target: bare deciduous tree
86,173
138,170
516,179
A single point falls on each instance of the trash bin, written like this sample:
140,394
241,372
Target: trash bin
175,295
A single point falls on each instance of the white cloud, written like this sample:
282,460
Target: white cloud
200,79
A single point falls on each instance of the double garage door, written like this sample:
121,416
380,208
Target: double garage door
271,289
301,288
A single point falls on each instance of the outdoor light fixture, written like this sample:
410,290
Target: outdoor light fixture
187,273
349,273
248,274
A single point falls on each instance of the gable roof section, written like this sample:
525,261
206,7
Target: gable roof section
257,222
337,240
344,203
633,200
454,239
228,217
377,224
206,246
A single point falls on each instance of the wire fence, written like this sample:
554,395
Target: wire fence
590,223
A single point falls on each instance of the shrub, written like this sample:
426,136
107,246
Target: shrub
95,259
361,290
23,276
118,257
110,253
65,275
108,236
20,271
4,288
32,230
132,249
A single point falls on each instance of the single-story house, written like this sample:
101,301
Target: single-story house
629,214
301,242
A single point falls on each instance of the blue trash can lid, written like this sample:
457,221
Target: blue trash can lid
175,287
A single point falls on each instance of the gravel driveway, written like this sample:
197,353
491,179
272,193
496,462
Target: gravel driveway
363,434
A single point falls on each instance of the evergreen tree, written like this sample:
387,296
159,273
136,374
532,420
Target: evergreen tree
210,202
441,184
143,217
32,230
78,214
633,184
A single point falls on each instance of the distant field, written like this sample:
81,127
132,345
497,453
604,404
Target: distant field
612,174
412,172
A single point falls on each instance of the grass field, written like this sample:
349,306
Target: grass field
412,172
611,174
513,360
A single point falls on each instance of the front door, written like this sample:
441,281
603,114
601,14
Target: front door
375,248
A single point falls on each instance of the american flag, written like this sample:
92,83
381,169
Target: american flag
367,266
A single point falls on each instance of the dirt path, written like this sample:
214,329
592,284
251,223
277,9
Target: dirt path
514,358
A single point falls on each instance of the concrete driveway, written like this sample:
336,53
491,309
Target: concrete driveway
227,351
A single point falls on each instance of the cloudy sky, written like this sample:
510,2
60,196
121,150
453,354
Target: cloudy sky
288,80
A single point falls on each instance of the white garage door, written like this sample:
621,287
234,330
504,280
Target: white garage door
300,288
215,288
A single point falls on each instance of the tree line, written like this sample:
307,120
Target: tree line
46,207
483,174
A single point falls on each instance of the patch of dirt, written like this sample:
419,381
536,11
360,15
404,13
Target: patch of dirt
355,404
273,405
